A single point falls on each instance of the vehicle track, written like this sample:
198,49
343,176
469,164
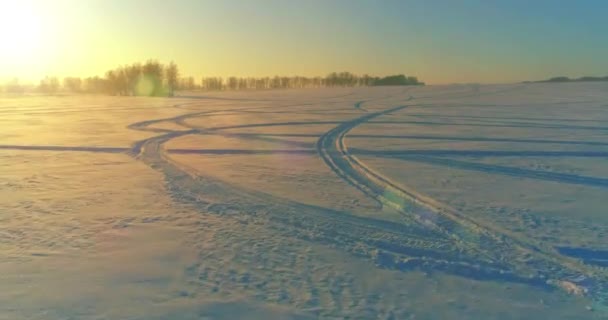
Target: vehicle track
400,246
479,239
432,236
502,170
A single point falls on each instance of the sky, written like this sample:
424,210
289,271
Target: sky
440,41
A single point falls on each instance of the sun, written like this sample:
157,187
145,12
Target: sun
21,31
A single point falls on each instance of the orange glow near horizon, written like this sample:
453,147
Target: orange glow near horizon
438,43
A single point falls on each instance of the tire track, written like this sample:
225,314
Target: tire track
389,245
432,237
482,241
400,246
505,170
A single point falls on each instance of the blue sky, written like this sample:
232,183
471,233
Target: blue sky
440,41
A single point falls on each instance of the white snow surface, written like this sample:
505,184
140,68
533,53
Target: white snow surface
436,202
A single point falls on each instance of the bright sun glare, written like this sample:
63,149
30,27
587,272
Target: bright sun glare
21,31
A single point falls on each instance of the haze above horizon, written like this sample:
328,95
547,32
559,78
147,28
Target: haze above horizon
439,41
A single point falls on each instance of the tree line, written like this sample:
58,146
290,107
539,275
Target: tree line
334,79
567,79
153,78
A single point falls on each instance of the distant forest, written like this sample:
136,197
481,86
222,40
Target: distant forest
566,79
156,79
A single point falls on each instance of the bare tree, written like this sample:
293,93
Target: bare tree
72,84
49,85
152,71
133,75
172,76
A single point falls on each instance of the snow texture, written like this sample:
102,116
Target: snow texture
436,202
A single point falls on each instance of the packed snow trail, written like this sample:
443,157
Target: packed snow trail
390,245
434,237
243,242
486,242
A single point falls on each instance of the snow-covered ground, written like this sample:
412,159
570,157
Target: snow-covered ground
437,202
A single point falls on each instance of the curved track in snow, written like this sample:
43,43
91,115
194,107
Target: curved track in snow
426,235
432,236
483,241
